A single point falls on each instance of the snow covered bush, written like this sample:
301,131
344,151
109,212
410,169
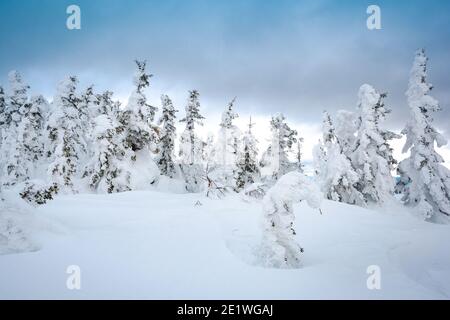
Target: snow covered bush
429,187
279,247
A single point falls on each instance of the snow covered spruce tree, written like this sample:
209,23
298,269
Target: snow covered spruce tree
228,138
191,146
15,164
372,156
247,171
429,187
275,161
15,226
29,146
279,247
166,143
138,115
3,114
108,169
346,126
66,132
334,170
227,149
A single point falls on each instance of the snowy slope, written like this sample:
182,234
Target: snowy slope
147,244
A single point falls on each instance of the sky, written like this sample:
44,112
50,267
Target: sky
291,56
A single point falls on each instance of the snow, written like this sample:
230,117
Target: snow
155,245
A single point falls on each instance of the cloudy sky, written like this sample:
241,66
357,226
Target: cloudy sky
296,57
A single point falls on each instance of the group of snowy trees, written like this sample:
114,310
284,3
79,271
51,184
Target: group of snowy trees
85,140
354,160
353,164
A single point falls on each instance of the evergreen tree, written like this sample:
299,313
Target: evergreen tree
66,132
275,159
247,166
191,146
228,138
429,187
108,169
3,114
279,248
346,126
166,145
209,151
334,170
227,148
139,115
299,155
17,103
372,156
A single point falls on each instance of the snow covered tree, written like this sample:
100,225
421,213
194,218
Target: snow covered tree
334,170
275,160
17,102
346,126
372,156
299,155
429,189
247,171
166,144
227,148
66,132
29,145
15,163
3,113
209,150
103,104
191,146
139,115
15,227
108,170
279,247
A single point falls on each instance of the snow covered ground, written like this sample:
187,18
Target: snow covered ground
154,245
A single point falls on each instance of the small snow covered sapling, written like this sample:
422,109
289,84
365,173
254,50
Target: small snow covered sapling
279,248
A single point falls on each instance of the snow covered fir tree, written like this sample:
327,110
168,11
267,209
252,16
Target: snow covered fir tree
191,145
427,180
167,136
372,156
215,150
